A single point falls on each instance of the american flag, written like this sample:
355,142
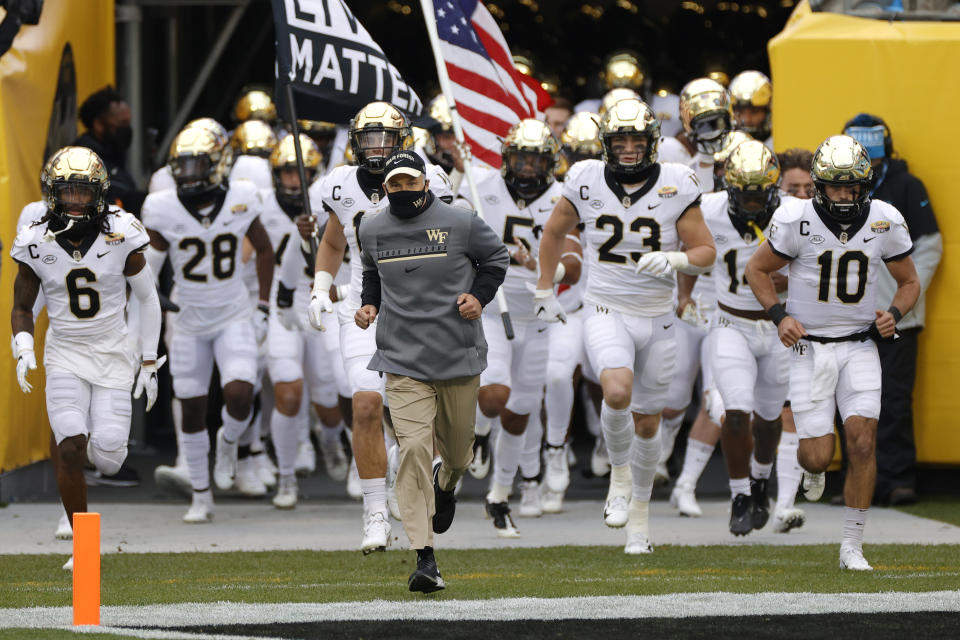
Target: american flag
491,95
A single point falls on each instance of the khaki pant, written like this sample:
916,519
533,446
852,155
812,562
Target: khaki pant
419,410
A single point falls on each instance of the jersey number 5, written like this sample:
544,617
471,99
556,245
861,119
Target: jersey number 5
651,240
843,271
91,305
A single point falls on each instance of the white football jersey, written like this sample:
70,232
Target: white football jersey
735,243
252,168
620,228
511,218
285,239
833,271
31,213
205,253
161,180
342,195
672,150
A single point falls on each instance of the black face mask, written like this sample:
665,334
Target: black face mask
119,139
407,204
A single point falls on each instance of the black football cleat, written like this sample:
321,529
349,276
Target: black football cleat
761,503
741,522
426,579
445,504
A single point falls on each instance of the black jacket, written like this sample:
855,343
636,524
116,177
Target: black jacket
907,193
123,190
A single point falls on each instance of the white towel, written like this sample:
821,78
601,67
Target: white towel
826,371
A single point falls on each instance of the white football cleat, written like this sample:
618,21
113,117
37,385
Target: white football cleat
813,485
599,459
306,462
201,509
225,465
266,470
286,497
393,464
557,476
248,481
684,500
353,481
788,519
638,544
503,524
853,559
376,534
68,565
616,511
530,503
64,530
552,501
334,459
175,479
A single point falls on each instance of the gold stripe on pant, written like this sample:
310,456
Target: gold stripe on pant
419,411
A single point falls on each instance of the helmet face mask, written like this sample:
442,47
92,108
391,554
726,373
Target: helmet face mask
530,153
378,130
76,200
286,173
707,133
752,94
74,183
191,173
752,182
841,161
705,114
629,136
198,162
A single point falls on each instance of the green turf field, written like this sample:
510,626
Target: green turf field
300,576
942,508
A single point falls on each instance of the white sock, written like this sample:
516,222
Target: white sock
286,440
644,453
558,400
530,457
374,495
590,412
759,471
246,438
330,435
617,427
853,524
483,424
498,492
694,462
789,471
738,486
669,428
506,457
233,428
196,452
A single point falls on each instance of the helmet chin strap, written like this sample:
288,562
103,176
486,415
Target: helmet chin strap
50,236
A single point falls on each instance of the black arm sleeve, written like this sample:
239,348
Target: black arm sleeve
490,257
371,288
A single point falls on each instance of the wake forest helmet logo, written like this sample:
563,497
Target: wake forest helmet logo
437,235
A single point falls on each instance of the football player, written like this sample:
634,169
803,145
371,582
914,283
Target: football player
82,254
253,141
350,193
296,353
748,363
516,202
833,246
636,213
752,96
202,224
706,116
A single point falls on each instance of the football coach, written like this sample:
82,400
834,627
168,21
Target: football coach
429,268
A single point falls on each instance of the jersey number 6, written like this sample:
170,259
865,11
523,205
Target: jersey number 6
76,292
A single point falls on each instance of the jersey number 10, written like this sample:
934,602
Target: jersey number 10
843,271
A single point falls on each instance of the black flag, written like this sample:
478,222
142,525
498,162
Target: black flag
334,65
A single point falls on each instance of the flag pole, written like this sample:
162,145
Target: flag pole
431,21
304,187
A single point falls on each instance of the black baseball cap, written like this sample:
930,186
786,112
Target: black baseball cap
404,162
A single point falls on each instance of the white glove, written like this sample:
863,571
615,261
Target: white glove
147,380
261,322
26,359
289,318
547,307
320,301
693,314
661,264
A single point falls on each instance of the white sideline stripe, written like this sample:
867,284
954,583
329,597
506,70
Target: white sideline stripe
675,605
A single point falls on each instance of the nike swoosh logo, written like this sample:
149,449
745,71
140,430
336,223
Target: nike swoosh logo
541,330
654,206
667,326
551,209
100,255
409,269
866,240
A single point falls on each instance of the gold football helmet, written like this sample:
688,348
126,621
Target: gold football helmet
720,77
614,96
74,182
752,96
529,155
623,70
253,138
286,174
841,161
211,125
705,113
629,118
378,130
255,105
198,160
752,179
730,141
580,140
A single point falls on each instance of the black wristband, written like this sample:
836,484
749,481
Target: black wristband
895,313
777,313
284,297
